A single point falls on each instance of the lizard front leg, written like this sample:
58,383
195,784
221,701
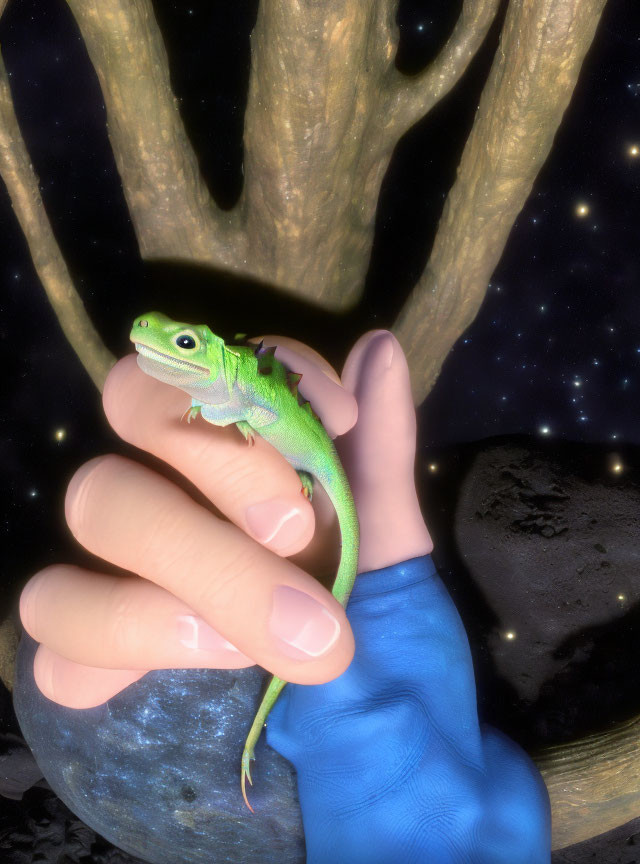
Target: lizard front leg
191,413
247,431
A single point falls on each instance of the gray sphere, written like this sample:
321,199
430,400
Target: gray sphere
156,770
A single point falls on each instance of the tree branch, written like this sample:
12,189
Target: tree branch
411,97
592,783
173,214
22,185
531,81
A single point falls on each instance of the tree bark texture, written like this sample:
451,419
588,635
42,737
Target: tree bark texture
534,72
326,108
172,212
593,783
22,185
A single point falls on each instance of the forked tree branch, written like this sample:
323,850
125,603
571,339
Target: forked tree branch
533,75
22,185
592,783
172,212
411,97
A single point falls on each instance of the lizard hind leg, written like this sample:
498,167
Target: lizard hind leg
307,483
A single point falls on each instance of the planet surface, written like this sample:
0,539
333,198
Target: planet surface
156,769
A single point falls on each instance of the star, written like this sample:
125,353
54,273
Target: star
582,210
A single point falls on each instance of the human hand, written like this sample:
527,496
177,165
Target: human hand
98,633
392,763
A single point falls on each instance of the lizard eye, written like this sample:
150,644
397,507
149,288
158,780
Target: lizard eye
185,341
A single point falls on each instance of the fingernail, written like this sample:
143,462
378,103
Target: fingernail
195,634
384,349
276,522
303,627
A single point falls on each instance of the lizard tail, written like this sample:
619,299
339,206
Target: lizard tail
337,488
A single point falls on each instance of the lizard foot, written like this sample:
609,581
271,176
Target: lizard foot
245,774
306,480
247,431
190,414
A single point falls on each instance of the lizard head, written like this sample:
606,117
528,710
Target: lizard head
175,352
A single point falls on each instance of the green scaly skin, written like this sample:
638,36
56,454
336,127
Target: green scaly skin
249,387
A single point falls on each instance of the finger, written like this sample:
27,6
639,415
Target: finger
140,626
254,486
272,611
380,452
75,685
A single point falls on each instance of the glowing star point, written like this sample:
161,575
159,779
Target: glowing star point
545,430
582,210
510,635
60,434
616,465
634,151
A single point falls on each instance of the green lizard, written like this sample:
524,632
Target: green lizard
249,387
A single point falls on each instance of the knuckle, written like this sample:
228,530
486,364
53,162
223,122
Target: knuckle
123,621
235,468
168,537
226,591
30,597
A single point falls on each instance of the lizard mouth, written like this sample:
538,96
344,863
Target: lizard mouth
167,359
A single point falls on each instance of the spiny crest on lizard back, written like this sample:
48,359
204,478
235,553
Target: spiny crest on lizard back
265,357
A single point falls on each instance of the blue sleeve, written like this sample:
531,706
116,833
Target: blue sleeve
392,763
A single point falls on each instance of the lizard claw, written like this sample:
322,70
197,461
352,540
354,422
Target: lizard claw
190,414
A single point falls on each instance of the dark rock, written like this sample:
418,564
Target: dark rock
540,539
156,770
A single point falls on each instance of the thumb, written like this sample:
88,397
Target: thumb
378,453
